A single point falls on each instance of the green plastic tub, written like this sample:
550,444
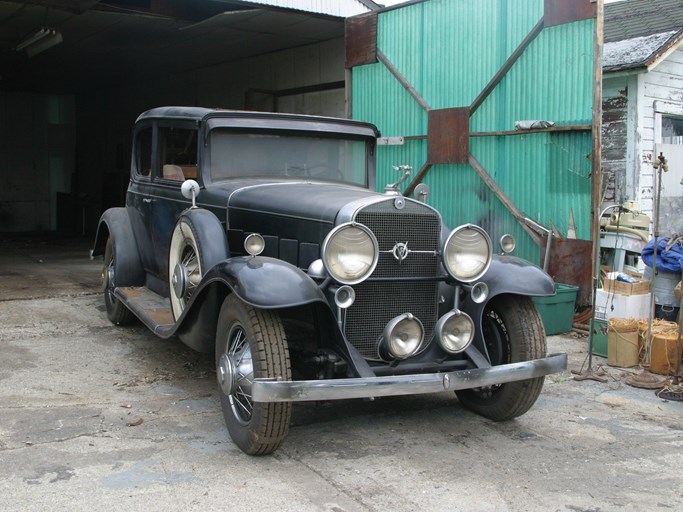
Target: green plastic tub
557,312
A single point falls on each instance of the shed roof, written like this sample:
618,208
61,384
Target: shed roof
638,32
341,8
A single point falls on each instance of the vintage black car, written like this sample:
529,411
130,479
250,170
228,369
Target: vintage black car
260,237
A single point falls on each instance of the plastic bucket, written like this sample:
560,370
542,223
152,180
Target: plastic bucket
666,312
663,286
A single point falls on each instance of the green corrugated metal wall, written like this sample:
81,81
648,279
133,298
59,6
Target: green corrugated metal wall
449,50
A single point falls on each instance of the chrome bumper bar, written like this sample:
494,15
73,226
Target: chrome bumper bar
272,390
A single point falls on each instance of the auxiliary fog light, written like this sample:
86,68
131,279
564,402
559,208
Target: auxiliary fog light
455,331
402,338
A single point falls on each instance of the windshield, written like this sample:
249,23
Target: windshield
275,155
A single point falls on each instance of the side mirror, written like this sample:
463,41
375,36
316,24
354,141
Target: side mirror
421,192
190,190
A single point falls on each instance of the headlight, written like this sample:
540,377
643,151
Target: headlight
455,331
350,253
467,253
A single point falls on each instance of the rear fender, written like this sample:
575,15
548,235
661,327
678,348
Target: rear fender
116,224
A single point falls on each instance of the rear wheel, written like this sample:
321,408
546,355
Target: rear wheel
513,332
117,313
251,343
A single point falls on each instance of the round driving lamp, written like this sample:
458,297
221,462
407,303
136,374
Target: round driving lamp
254,244
467,253
402,338
454,331
507,243
350,253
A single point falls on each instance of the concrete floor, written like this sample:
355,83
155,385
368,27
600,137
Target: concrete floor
97,417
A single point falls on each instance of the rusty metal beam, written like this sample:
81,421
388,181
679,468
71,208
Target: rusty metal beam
572,128
360,40
569,128
506,66
502,196
402,80
418,178
559,12
596,155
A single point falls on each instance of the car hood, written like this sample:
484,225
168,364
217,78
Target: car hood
311,201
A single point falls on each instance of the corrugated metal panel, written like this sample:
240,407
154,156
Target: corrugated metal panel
341,8
449,50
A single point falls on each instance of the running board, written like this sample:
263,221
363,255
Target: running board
153,310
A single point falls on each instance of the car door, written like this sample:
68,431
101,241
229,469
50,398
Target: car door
177,161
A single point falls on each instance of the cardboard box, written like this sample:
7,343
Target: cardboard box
613,305
623,288
623,343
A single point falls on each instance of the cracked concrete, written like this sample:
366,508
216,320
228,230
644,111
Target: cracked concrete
71,383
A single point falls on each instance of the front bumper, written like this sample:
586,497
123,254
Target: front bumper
272,390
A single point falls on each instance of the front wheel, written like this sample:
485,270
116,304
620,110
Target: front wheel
513,332
251,343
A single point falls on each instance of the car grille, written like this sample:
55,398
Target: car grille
377,302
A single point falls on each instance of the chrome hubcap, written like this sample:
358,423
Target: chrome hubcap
226,374
235,374
179,280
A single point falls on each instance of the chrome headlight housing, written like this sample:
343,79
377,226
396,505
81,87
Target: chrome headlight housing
467,253
350,253
402,338
454,331
254,244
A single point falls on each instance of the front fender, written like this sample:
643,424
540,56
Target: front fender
509,274
266,283
116,224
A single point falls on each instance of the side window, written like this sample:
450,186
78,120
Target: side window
143,152
178,153
672,130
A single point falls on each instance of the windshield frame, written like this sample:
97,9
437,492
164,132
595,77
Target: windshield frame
325,134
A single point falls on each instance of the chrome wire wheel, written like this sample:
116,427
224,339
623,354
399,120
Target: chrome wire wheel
251,344
242,374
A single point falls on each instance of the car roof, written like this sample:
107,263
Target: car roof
201,114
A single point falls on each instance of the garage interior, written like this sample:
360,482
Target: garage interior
76,74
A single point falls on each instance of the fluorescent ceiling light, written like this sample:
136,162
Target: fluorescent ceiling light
39,41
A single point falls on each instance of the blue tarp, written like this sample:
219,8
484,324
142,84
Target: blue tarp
667,261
